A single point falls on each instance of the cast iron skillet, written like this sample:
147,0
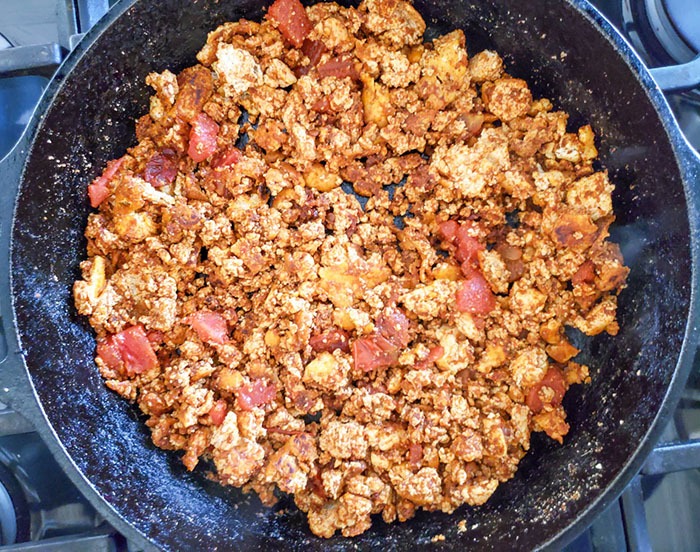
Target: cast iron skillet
567,52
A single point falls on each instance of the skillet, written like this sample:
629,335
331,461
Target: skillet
567,52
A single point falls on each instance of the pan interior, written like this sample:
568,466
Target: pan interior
91,121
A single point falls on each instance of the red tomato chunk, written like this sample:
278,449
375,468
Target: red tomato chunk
291,19
110,354
368,355
210,327
338,67
468,249
161,169
330,341
475,295
448,230
584,274
227,158
137,353
468,246
98,190
255,394
128,351
218,412
393,326
381,348
554,379
202,138
312,49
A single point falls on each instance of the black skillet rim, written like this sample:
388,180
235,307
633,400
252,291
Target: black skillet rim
689,165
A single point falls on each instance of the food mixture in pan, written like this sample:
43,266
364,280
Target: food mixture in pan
369,354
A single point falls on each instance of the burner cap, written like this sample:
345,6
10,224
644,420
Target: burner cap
685,17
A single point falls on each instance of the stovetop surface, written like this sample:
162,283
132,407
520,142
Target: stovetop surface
41,510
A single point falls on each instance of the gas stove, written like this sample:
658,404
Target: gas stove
41,510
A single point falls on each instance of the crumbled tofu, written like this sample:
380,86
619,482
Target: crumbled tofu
237,68
592,195
529,367
485,66
432,300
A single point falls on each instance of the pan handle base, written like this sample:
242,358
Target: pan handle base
678,78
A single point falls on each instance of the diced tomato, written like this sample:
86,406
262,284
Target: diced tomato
533,401
255,394
381,348
202,138
554,379
218,412
468,249
339,67
384,344
475,295
136,350
161,169
584,274
110,354
415,453
464,231
393,325
313,49
448,230
210,327
291,19
98,190
434,354
330,341
129,351
368,355
459,234
112,167
230,157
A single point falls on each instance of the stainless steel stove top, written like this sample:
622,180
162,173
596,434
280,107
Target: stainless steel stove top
40,510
